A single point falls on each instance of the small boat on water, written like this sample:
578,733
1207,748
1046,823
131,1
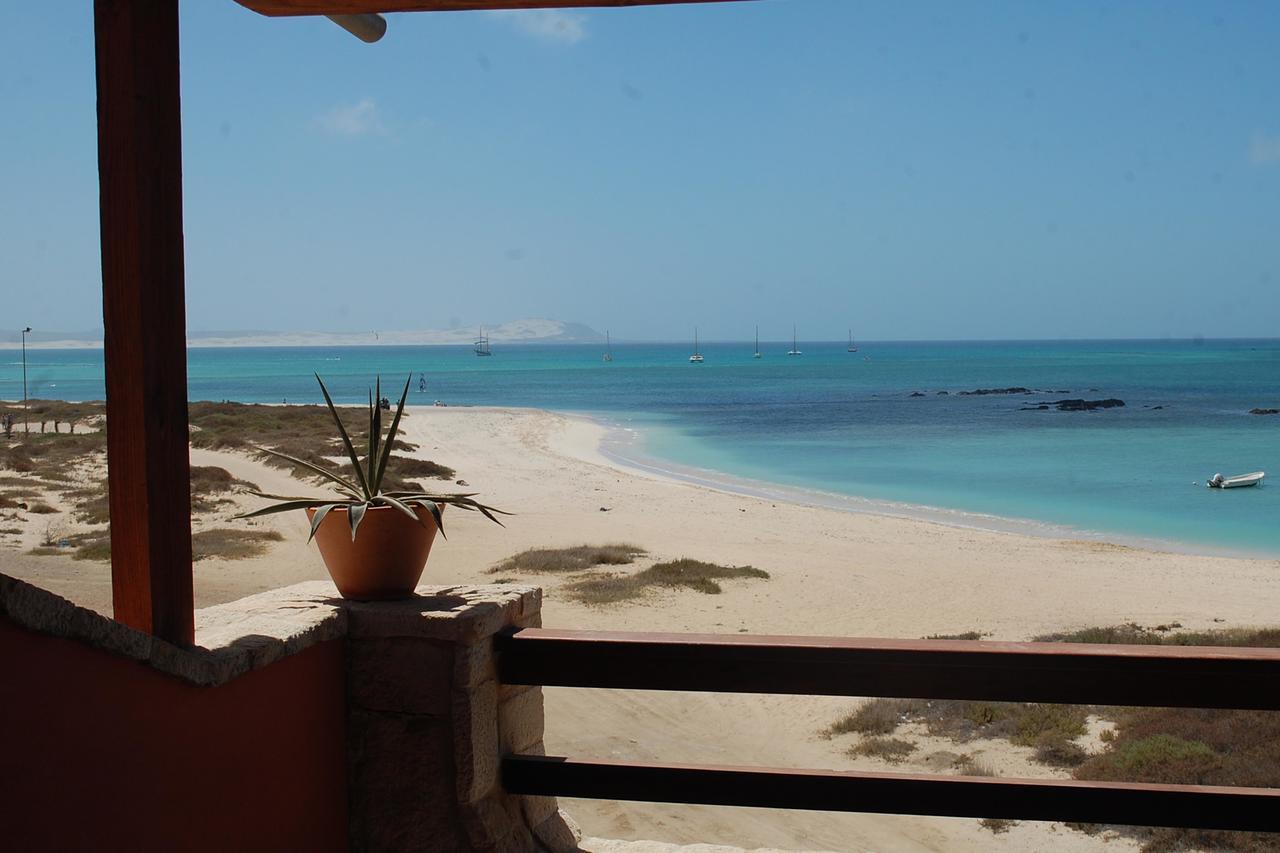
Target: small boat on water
696,358
608,347
852,346
482,344
1217,481
794,349
757,352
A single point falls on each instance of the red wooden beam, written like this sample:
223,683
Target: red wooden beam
1154,676
355,7
1137,804
140,178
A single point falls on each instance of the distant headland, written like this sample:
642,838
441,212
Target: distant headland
528,331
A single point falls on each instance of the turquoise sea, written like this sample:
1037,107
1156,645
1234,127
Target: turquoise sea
849,427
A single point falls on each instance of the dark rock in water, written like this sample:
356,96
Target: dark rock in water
1087,405
1040,408
943,393
1264,411
916,394
1093,390
982,392
1156,408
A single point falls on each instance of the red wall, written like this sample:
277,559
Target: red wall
98,752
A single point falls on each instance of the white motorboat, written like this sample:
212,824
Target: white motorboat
1217,481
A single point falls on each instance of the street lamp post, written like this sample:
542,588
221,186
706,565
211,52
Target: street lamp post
26,427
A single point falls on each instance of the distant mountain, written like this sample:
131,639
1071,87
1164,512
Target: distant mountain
529,331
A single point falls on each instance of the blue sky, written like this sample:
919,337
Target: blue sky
915,170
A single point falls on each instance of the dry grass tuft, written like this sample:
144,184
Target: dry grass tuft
232,544
574,559
876,717
891,749
673,574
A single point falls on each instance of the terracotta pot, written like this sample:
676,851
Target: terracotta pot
387,557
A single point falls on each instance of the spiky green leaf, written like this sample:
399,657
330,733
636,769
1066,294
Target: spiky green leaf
346,484
281,507
392,502
319,517
355,515
391,435
346,440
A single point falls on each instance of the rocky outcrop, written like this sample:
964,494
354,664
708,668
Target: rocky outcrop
1264,411
982,392
1087,405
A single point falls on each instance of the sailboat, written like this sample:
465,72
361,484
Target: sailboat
852,346
608,352
757,354
794,349
482,344
696,358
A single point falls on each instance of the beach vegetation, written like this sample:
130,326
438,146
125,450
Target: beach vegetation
220,543
305,433
1187,746
210,482
357,494
963,635
231,544
1057,751
962,720
891,749
997,825
572,559
876,717
683,573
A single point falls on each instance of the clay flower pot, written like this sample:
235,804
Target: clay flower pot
387,557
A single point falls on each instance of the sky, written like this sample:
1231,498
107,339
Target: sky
914,170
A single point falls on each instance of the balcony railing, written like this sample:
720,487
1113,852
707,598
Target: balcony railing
1155,676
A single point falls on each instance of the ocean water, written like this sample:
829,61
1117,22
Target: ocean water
832,423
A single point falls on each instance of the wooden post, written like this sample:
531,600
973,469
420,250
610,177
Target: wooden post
144,314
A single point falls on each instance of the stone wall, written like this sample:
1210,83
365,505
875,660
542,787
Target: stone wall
428,724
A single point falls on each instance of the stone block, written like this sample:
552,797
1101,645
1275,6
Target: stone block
558,834
462,614
537,809
473,664
401,776
520,721
476,752
401,674
495,824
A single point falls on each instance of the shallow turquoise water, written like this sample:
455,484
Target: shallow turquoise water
847,423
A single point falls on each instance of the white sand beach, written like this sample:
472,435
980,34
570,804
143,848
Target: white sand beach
831,573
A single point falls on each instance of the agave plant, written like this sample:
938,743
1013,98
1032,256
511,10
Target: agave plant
366,489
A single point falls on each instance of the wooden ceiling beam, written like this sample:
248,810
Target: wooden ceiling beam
276,8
